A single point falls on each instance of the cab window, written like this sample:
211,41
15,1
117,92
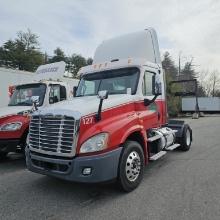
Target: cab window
147,84
57,93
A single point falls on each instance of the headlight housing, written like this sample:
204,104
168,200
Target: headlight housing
14,126
95,143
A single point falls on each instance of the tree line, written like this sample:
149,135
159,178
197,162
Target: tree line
23,53
208,82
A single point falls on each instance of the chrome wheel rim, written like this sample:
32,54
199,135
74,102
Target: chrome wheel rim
133,166
188,137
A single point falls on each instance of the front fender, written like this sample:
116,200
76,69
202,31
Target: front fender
131,130
119,127
14,134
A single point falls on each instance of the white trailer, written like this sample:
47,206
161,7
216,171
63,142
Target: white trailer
206,104
9,77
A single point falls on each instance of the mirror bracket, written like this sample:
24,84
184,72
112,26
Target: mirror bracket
74,91
101,95
35,102
147,102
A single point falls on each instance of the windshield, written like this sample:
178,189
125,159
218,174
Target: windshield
120,81
22,94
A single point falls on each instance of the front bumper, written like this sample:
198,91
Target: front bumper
104,167
9,145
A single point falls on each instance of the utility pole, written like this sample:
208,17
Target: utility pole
179,67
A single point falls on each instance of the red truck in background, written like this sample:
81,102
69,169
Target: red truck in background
15,118
113,136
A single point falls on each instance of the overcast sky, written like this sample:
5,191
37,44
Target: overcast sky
78,26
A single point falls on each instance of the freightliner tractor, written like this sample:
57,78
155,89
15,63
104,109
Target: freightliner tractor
15,118
116,123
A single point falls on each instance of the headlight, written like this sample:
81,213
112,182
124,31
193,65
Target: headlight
11,126
95,143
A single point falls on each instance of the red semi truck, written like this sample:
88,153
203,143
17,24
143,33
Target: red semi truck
15,118
117,121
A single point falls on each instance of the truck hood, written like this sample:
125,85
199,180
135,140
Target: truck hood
13,110
81,106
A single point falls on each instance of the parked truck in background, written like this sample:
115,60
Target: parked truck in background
113,136
15,118
10,77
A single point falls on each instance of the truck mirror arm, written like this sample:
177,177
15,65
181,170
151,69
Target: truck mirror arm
101,95
98,115
35,102
150,101
74,91
35,106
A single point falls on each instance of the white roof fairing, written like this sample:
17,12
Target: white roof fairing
141,45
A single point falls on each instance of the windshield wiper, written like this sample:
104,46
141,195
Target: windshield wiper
22,103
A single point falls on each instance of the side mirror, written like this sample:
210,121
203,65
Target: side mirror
156,89
35,101
156,85
103,94
74,91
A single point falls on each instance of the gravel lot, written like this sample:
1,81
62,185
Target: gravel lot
182,185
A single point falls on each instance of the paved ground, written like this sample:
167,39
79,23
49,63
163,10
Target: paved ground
182,185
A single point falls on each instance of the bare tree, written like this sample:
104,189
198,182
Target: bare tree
210,81
215,82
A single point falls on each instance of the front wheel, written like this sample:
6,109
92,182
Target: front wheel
131,166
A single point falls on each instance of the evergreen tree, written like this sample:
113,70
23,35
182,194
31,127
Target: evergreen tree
22,53
58,56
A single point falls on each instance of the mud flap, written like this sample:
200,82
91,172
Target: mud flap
179,126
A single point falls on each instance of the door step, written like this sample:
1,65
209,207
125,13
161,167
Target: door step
154,138
172,147
158,155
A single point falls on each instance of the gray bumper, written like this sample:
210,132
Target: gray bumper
104,166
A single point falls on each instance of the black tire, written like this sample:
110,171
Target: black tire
23,143
132,150
23,146
3,155
186,139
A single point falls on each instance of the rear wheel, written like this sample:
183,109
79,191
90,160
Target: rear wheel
186,139
131,166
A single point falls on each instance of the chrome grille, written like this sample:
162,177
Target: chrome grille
52,134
